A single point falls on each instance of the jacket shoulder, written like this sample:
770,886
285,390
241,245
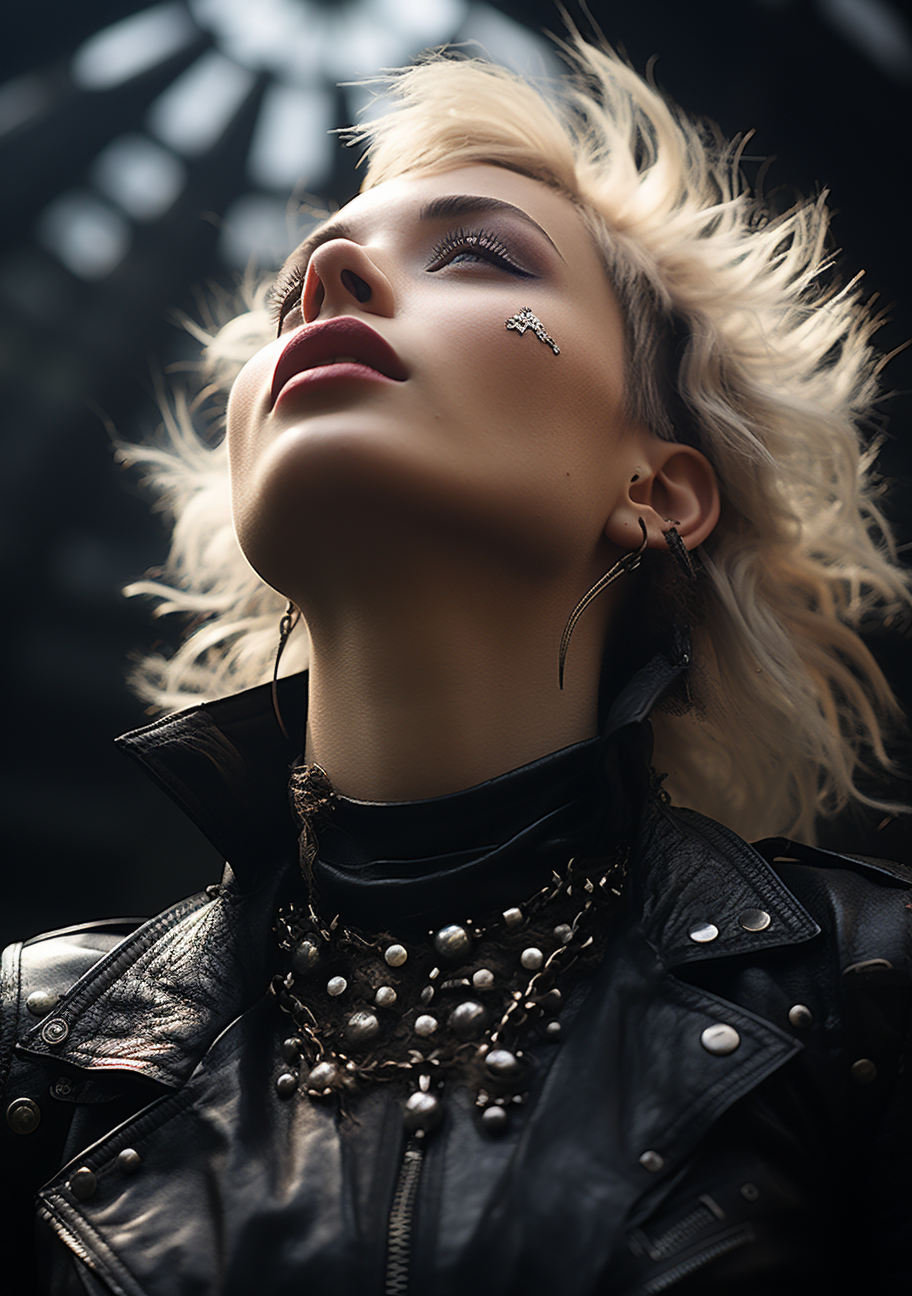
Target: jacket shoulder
782,850
35,973
862,900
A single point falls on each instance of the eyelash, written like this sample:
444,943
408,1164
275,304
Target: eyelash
285,293
486,245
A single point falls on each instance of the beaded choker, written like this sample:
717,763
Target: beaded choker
460,1006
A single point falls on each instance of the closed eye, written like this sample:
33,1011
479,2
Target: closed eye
285,294
462,246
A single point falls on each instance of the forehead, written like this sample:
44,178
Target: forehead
394,206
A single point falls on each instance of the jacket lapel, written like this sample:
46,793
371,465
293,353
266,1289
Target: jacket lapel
635,1089
155,1003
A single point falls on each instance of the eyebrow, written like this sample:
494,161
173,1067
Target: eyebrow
453,207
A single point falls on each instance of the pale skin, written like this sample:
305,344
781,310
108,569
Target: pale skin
436,531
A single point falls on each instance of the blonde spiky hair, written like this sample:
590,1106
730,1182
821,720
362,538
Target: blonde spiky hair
739,343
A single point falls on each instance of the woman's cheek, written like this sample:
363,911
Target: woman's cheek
248,408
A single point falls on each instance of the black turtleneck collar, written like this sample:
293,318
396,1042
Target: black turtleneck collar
421,863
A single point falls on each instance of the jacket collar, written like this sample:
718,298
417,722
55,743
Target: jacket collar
156,1002
706,894
226,763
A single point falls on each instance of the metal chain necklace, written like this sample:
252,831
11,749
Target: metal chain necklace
458,1006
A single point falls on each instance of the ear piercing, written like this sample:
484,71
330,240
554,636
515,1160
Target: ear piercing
679,551
524,319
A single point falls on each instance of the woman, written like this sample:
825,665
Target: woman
553,447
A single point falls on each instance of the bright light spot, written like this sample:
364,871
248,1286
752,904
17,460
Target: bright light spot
20,100
273,34
291,145
87,236
877,29
421,22
132,45
140,175
258,230
303,42
192,113
358,42
501,40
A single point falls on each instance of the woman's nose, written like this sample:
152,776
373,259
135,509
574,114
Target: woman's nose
340,275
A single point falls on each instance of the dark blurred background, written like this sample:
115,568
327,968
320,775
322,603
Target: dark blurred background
145,152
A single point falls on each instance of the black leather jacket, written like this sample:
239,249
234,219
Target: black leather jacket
141,1108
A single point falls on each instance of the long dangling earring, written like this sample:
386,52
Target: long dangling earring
679,551
290,619
626,564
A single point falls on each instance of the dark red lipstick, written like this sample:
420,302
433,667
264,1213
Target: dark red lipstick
345,343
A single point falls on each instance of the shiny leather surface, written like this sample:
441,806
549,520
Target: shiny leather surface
773,1169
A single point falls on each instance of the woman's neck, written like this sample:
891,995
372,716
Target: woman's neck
413,703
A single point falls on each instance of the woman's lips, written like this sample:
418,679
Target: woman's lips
336,348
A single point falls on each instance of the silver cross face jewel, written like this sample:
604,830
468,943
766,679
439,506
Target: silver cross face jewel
524,319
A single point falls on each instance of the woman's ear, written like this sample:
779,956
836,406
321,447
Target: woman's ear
673,485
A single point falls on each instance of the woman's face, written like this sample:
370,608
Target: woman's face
395,402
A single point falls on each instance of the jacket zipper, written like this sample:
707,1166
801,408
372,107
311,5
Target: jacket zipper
730,1241
399,1236
69,1238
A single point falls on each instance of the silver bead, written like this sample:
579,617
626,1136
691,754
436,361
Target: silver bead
494,1119
512,917
362,1027
563,932
336,985
286,1084
395,955
553,1029
652,1161
422,1112
452,942
532,959
290,1050
385,997
468,1018
427,994
425,1024
551,1002
704,932
321,1076
305,956
502,1063
754,920
720,1039
800,1016
483,979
